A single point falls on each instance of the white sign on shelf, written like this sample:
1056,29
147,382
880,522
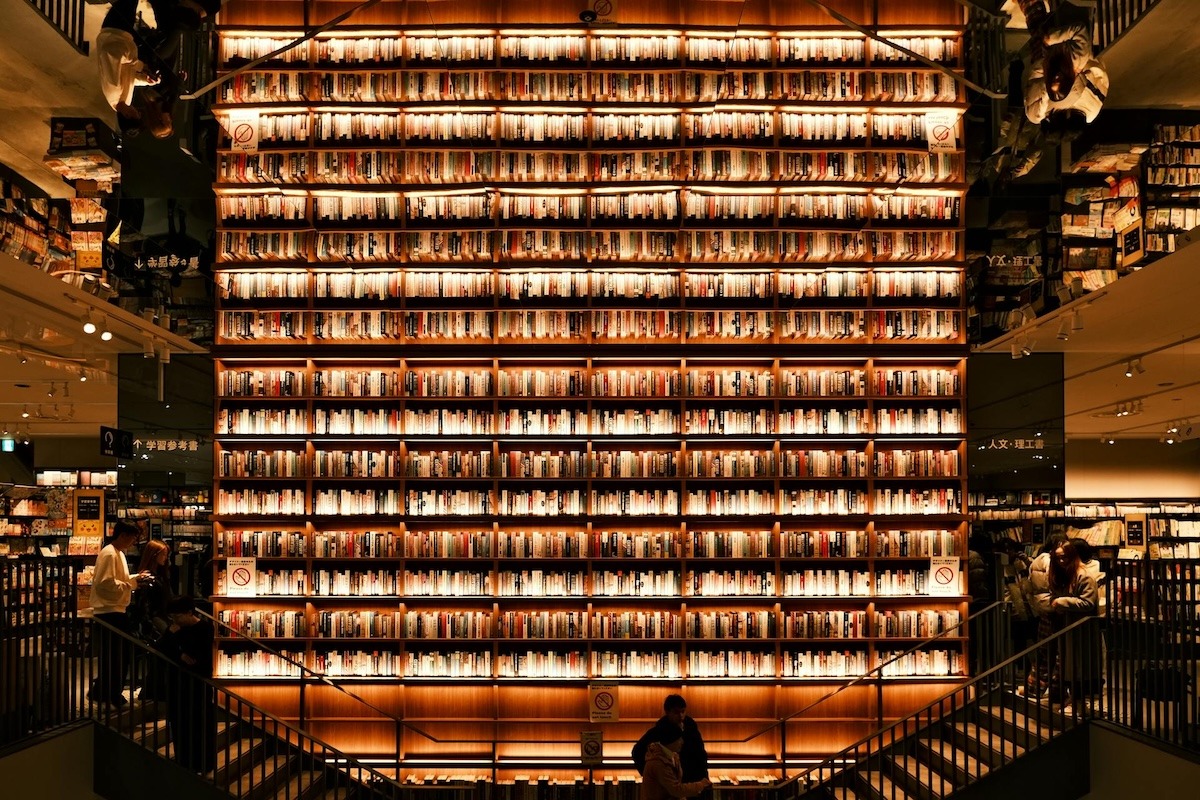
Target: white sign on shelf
243,132
944,576
941,131
602,702
591,748
240,576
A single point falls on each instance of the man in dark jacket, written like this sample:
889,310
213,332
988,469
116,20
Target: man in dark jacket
693,758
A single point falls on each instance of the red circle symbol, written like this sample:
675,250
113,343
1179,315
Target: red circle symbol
943,575
241,577
941,132
243,132
591,748
604,701
602,8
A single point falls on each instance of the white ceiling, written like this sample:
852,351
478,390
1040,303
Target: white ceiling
43,348
1151,315
1154,65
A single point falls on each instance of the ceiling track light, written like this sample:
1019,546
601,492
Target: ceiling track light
1064,294
1027,313
51,391
25,412
1015,349
1076,321
1064,330
1026,349
89,325
21,355
106,335
1137,366
1107,440
1128,369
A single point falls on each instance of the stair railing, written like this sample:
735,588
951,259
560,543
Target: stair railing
66,17
273,757
988,627
1115,17
1070,659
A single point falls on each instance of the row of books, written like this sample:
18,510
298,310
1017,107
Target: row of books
483,166
595,48
672,544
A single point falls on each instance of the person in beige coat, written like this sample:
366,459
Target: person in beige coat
663,777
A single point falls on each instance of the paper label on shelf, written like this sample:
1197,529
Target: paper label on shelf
602,702
591,748
944,577
239,574
243,132
941,130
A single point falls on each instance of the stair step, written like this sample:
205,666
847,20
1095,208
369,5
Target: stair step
953,760
994,742
1042,724
921,776
842,793
881,786
301,786
261,778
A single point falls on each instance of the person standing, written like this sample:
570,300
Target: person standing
112,590
1074,594
693,758
191,708
662,775
122,69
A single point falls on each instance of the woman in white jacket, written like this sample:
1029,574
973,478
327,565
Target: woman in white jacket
112,589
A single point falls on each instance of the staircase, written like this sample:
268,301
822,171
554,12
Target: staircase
970,734
256,756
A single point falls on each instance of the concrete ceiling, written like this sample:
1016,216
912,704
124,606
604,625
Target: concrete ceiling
1155,63
1149,315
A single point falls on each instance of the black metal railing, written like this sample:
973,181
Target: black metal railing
1153,641
1114,17
67,18
176,710
987,58
993,720
987,630
40,647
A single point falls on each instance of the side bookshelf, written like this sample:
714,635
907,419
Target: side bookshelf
621,355
1172,174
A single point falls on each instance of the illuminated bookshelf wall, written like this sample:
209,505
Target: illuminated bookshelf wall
554,354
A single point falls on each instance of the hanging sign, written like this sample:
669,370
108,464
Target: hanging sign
602,703
944,576
591,748
240,575
243,132
941,131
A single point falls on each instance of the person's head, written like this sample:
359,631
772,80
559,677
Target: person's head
1085,551
1060,72
669,736
124,535
181,610
157,120
1052,543
675,709
154,556
1064,566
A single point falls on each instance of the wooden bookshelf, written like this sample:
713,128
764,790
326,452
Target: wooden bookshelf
557,354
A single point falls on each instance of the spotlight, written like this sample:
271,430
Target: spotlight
1128,369
1137,366
83,377
25,412
148,348
1027,313
1026,350
21,355
89,326
50,392
1064,294
105,334
1064,330
1076,321
1015,349
1107,440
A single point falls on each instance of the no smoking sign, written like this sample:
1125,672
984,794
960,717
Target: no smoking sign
944,576
602,702
240,576
941,131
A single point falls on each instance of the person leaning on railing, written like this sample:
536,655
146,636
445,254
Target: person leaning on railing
1074,594
1037,593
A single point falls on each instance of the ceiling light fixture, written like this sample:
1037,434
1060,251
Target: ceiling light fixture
1027,313
1026,349
89,325
1064,294
105,334
51,391
1064,330
1107,440
83,377
25,412
21,355
1076,321
1015,349
1128,369
148,348
1137,366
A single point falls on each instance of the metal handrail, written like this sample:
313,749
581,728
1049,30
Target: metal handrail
843,756
331,756
67,17
772,726
326,680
